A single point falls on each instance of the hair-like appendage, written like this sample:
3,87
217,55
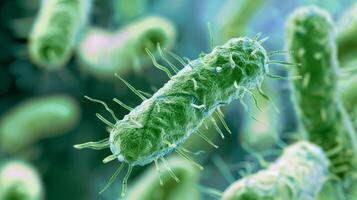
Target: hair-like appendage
260,133
148,186
298,174
310,35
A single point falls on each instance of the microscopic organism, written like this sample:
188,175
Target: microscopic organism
55,30
37,118
103,53
298,174
155,186
310,34
19,180
166,119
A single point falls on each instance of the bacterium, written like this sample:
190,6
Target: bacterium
166,119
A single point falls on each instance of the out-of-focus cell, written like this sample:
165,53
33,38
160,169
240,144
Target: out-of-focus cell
260,133
55,30
298,174
104,53
19,181
37,118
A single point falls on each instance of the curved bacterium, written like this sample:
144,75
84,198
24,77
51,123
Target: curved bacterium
37,118
103,53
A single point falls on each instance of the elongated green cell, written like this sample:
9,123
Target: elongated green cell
310,35
161,123
104,53
19,181
148,186
37,118
298,174
55,30
346,36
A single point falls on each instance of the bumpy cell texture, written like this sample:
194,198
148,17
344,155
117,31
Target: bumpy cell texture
164,121
310,35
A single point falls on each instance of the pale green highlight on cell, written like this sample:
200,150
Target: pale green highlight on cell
57,26
298,174
310,35
37,118
20,181
103,53
148,186
346,36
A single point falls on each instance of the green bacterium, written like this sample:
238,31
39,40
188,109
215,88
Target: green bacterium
37,118
55,30
166,119
103,53
298,174
310,35
161,186
19,180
